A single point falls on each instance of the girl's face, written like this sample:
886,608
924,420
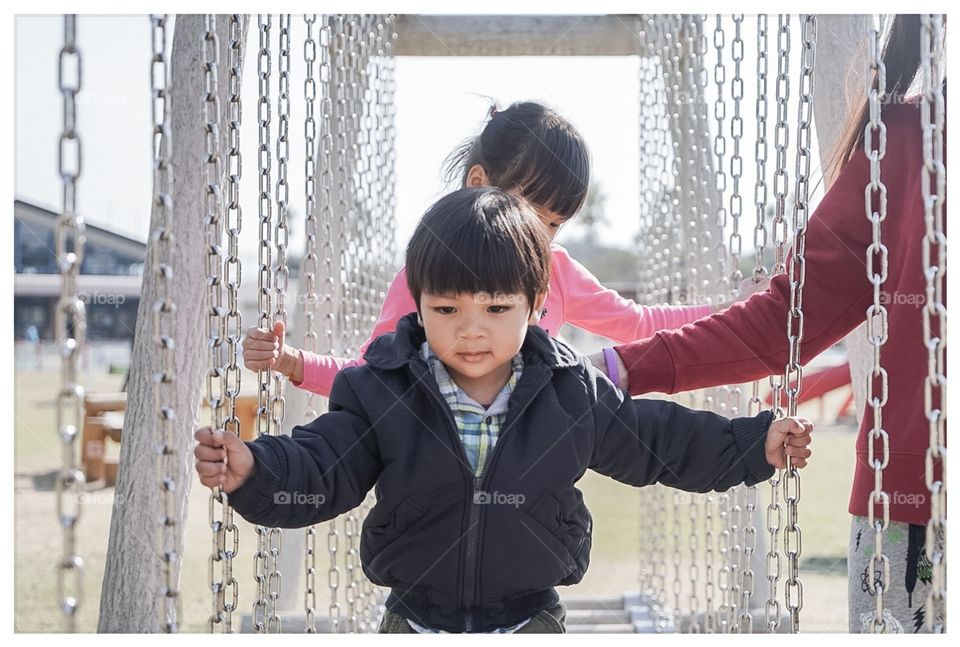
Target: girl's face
550,220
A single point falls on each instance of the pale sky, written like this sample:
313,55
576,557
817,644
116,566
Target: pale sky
440,101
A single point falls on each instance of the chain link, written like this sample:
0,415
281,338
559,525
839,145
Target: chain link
755,404
280,284
328,277
720,151
693,569
735,243
677,556
310,270
709,614
760,152
772,610
220,524
793,377
262,558
71,327
164,309
724,579
875,205
933,187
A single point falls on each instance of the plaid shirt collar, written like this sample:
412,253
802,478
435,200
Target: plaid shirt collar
457,399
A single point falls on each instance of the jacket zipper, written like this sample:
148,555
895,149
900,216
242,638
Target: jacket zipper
473,531
474,513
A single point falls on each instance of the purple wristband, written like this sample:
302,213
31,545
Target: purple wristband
612,372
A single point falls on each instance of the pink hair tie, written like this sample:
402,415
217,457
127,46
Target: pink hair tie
493,111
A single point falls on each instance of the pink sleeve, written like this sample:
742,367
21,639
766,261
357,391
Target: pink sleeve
397,304
589,305
319,370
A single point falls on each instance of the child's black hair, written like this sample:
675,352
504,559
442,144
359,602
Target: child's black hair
529,148
476,240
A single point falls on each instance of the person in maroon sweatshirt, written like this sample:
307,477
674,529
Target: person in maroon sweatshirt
748,340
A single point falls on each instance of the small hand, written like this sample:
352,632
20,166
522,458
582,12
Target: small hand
789,437
222,459
264,349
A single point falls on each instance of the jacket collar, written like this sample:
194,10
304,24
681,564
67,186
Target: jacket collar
393,350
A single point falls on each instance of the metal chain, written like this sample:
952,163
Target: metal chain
216,321
310,270
933,187
755,404
346,214
655,127
164,309
280,284
875,205
388,140
693,569
677,557
328,280
361,170
760,153
232,274
793,377
378,31
745,538
734,520
702,201
261,559
673,81
645,117
709,614
720,151
645,517
749,532
781,141
661,616
772,609
735,243
71,325
723,576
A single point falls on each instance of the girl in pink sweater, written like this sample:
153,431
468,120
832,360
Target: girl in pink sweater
532,151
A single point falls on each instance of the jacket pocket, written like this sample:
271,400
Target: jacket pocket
382,528
571,534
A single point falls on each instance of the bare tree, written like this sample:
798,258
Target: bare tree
129,600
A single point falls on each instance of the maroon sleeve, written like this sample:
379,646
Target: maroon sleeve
748,340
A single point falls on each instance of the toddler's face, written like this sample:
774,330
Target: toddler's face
476,335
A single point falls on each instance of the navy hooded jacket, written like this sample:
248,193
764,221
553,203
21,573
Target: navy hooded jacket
465,553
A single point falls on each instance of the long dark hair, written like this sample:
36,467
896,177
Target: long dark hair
532,149
901,57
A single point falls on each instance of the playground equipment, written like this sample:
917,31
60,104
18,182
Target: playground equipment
189,304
